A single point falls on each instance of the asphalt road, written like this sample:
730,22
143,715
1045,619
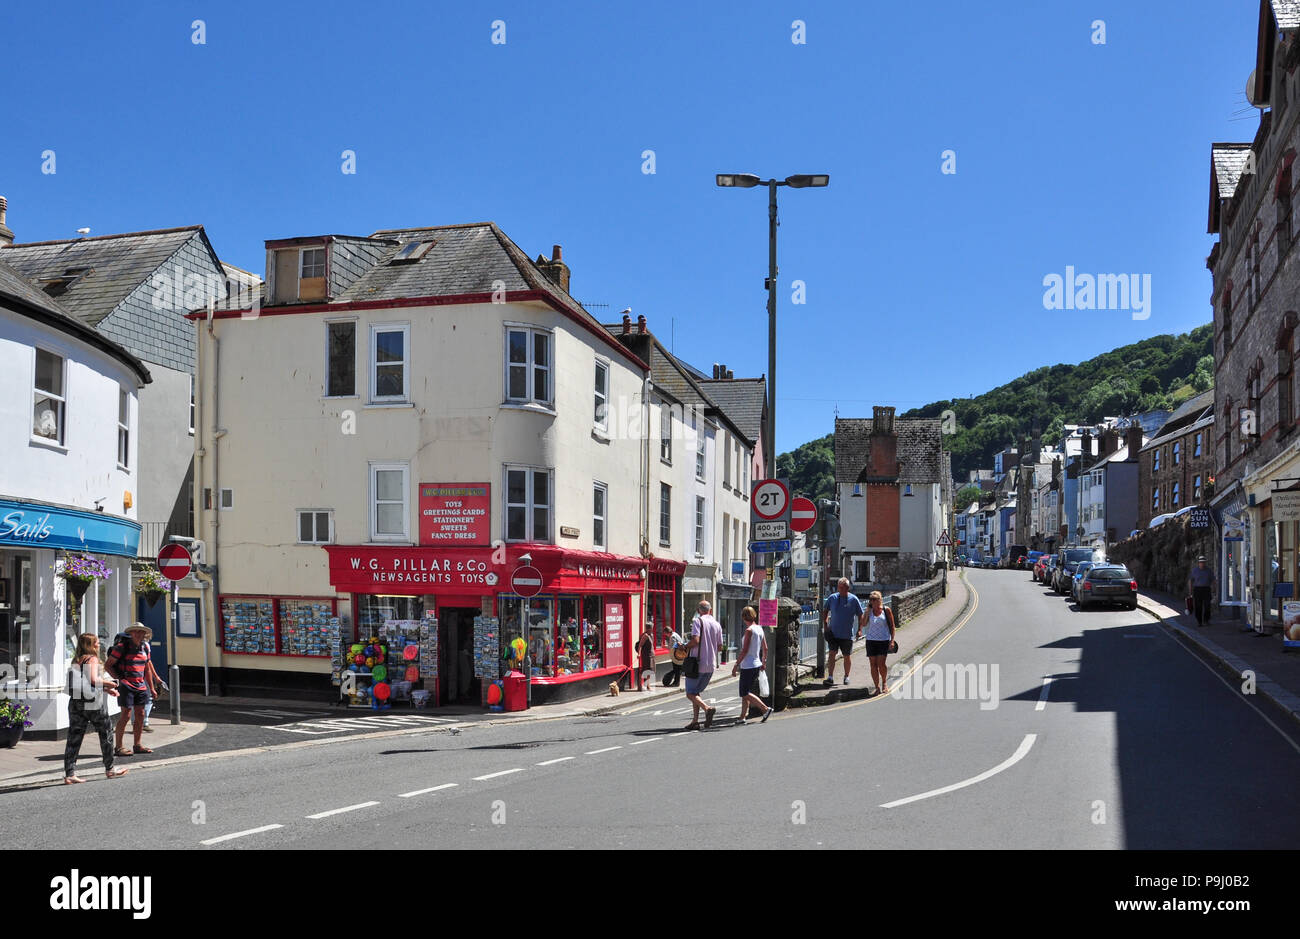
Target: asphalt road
1135,743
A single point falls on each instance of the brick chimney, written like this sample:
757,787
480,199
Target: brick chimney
882,420
6,236
627,323
640,325
555,269
1134,440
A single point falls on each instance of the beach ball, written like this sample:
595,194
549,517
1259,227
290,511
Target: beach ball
382,691
359,659
370,660
410,653
356,647
494,694
380,672
412,673
370,650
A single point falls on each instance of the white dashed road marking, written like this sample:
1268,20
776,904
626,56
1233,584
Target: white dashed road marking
1042,695
651,740
553,762
346,808
606,750
420,792
504,772
241,834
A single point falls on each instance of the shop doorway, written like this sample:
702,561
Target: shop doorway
155,617
456,642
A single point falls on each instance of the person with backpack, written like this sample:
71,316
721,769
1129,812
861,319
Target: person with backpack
880,639
128,663
88,691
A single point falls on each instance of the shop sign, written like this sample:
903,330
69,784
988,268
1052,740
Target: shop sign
614,621
363,570
1286,506
38,526
455,513
1198,519
607,571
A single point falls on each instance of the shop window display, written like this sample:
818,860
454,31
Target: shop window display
541,631
299,626
593,621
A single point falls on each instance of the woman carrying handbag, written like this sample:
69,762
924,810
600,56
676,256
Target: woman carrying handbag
88,688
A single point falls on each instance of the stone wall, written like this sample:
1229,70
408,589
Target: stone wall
889,569
909,604
1161,558
785,660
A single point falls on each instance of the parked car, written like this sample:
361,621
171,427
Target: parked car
1040,568
1080,571
1066,561
1016,556
990,563
1108,583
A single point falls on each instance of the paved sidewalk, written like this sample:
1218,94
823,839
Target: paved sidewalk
42,760
1235,647
914,638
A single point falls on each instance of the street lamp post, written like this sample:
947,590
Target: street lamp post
748,181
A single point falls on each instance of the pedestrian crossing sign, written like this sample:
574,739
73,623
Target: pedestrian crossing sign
944,541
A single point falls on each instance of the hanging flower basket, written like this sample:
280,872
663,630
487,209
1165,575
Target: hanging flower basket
79,572
77,586
151,585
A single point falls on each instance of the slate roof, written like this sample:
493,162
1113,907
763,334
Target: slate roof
742,400
920,449
25,297
1227,160
117,264
1287,13
1193,414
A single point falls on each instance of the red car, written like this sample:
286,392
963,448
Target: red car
1039,567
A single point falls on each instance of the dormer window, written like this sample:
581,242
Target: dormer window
300,274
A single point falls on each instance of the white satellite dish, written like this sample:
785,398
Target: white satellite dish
1250,92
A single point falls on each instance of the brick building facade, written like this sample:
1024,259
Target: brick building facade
1176,465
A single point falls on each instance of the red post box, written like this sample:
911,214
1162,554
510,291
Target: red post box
516,697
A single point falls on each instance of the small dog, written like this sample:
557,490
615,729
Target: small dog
613,689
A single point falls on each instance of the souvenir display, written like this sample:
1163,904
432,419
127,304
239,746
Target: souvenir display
487,650
305,627
248,626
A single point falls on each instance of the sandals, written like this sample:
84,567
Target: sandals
143,750
69,780
708,717
693,725
113,774
122,751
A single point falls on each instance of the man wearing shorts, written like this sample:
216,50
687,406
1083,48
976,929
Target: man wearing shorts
127,662
706,638
842,615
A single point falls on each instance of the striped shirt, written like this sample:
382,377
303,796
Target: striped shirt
128,661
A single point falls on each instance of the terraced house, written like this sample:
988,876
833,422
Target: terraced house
1256,282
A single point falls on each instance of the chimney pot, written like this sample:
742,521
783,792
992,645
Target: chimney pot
6,236
640,324
627,323
556,253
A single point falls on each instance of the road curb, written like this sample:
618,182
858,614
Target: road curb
1229,663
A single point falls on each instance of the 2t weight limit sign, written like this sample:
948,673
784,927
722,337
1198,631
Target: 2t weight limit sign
771,500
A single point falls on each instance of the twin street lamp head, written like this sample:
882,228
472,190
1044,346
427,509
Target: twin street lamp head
748,180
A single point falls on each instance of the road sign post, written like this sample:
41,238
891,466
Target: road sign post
175,563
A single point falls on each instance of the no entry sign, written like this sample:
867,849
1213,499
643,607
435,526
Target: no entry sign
174,561
526,581
803,514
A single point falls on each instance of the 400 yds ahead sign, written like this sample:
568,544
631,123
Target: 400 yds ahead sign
769,510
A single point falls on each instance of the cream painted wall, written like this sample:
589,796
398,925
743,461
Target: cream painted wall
287,447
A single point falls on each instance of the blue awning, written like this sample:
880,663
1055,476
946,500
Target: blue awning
36,525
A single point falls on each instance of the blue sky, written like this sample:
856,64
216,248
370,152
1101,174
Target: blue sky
920,285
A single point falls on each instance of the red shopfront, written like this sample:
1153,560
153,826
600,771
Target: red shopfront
578,630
